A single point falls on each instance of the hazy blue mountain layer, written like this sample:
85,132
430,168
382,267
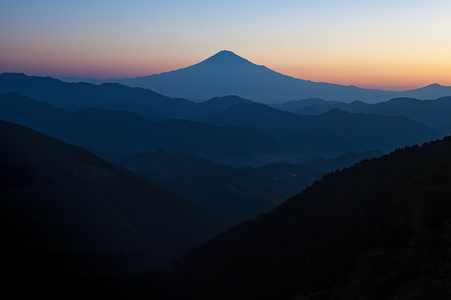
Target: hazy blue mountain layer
337,131
76,96
106,130
244,134
434,113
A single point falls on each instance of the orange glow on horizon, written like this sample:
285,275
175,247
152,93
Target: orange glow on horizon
387,76
388,73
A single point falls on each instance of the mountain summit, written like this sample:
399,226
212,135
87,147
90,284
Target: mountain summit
223,65
225,56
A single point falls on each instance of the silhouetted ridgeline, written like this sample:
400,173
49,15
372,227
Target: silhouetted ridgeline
378,230
76,96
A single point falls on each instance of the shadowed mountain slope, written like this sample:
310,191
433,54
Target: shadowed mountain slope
103,219
378,230
230,194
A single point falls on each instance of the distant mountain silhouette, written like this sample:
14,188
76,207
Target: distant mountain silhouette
434,113
330,134
113,96
432,91
226,73
76,96
106,130
103,220
378,230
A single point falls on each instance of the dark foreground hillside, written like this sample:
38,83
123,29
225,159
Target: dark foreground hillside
378,230
65,214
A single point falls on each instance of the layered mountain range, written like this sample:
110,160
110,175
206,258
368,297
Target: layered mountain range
76,225
134,126
434,113
239,134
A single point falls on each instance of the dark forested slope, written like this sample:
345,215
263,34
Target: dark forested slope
105,220
378,230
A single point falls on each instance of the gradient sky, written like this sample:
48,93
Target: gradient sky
395,44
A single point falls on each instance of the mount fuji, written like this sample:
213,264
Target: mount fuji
226,73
